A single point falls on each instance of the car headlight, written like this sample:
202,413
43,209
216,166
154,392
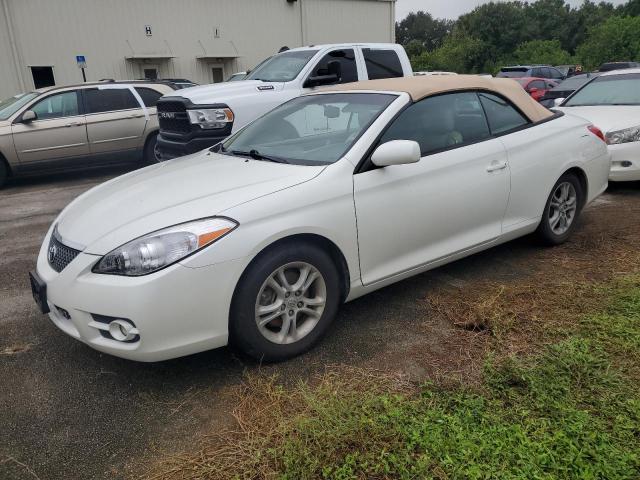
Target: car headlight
162,248
211,118
624,136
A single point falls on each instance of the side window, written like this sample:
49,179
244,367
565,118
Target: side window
347,60
537,84
109,100
441,122
555,73
58,105
382,63
149,96
502,116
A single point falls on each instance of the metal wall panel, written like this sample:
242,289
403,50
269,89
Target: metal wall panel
53,32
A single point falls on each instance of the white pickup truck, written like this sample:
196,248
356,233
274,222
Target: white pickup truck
196,118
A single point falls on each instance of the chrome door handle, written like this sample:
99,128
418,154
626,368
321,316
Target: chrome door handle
497,166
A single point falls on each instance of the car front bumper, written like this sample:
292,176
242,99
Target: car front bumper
625,162
177,311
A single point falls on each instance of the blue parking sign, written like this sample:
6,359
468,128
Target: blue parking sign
81,61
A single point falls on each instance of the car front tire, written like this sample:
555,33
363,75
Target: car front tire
562,210
285,302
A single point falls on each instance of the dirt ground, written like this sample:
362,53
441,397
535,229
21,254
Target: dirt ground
68,412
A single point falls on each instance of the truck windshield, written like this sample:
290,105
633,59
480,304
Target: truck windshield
11,105
283,67
623,89
310,130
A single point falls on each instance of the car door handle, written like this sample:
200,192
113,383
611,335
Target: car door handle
136,115
497,166
72,124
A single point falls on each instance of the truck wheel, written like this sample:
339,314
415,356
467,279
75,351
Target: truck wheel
284,302
151,152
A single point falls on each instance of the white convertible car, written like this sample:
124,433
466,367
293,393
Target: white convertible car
324,199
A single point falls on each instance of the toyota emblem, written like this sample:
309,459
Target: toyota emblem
53,251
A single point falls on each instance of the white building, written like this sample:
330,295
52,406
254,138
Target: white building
201,40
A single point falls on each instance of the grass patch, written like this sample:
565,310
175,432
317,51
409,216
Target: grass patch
571,411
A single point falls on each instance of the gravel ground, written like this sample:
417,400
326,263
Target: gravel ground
69,412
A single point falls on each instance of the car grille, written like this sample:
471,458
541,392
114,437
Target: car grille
173,117
59,255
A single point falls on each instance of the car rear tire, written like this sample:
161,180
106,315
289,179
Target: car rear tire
284,302
562,210
4,172
151,153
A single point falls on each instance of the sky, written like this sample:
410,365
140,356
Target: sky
452,8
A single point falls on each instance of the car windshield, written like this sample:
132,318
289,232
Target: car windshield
283,67
608,90
310,130
11,105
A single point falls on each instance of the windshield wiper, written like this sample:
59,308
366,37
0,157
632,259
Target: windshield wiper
258,156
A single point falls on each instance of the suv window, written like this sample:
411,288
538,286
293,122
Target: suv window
347,60
555,73
382,63
502,116
149,96
59,105
109,100
441,122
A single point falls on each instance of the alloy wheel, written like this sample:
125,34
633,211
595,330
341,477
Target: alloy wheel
563,208
290,303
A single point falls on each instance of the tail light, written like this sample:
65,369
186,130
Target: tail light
597,132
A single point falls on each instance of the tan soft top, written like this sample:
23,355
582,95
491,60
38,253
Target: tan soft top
420,87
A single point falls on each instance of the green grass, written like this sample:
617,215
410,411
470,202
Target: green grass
571,412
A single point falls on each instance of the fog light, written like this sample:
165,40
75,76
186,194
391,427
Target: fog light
122,330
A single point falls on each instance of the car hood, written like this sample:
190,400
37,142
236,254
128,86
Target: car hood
193,187
5,123
226,91
607,118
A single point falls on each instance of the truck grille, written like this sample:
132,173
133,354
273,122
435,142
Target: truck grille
59,255
173,117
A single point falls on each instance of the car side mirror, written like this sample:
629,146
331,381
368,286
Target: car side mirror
396,152
558,101
29,116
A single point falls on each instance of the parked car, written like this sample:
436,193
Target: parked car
255,241
237,76
613,101
565,88
569,70
537,71
79,126
197,118
608,67
536,87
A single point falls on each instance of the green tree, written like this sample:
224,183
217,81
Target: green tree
616,39
459,53
423,28
541,51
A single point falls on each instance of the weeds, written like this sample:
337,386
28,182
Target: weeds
571,411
